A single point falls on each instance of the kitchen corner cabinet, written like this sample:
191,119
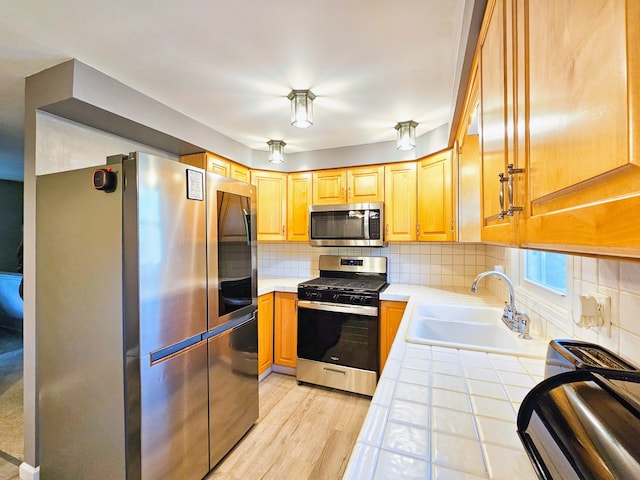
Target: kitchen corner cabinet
300,198
271,193
265,332
583,78
400,205
353,185
390,316
285,345
435,198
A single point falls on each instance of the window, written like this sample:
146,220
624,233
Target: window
547,270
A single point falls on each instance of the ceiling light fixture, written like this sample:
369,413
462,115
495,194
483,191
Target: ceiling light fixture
301,108
276,151
406,135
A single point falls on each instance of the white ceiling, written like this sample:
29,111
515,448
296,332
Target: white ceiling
231,63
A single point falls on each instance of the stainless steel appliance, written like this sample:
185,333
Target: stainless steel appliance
134,350
582,421
569,355
338,323
349,225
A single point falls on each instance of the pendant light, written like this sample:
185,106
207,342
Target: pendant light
301,108
276,151
406,135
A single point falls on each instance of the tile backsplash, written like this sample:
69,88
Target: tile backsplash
457,264
432,264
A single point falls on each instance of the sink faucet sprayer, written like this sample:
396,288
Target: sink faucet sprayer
511,317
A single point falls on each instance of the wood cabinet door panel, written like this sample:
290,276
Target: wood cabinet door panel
435,213
265,332
329,187
300,197
271,191
286,329
400,209
366,184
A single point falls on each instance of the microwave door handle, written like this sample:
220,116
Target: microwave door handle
366,224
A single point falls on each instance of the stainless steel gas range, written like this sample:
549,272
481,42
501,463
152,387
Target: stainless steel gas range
338,323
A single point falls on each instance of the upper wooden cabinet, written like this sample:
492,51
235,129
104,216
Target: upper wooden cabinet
271,192
240,172
496,120
365,184
400,202
329,187
217,164
299,193
559,103
581,67
353,185
436,221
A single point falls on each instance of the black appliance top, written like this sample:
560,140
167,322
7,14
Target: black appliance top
366,284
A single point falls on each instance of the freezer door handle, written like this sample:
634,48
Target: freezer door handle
228,326
175,348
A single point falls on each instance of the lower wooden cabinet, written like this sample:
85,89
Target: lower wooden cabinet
285,329
390,315
265,332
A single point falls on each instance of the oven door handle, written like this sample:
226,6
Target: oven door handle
339,308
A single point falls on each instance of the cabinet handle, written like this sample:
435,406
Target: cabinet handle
283,230
417,230
501,179
386,230
511,171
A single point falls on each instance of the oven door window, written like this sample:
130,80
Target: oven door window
338,338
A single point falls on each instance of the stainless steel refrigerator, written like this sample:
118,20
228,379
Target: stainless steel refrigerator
145,318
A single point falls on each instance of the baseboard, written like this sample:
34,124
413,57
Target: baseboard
283,369
27,472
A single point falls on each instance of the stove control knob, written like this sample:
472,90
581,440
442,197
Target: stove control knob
336,297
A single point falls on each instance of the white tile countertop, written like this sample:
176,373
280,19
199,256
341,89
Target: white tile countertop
440,413
443,413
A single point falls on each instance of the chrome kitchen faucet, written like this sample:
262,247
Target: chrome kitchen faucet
517,321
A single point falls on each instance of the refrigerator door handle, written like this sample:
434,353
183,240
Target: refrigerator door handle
175,348
230,325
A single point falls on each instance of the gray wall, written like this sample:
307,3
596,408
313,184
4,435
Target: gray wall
11,194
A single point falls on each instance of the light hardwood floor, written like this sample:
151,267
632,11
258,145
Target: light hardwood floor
303,433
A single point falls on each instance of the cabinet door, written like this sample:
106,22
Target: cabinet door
329,187
400,202
271,191
265,332
208,161
435,212
299,194
390,315
365,184
286,330
496,121
583,76
240,172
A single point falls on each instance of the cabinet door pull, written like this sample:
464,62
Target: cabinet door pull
511,171
501,179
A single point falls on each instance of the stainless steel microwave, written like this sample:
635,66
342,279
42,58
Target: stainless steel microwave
347,225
